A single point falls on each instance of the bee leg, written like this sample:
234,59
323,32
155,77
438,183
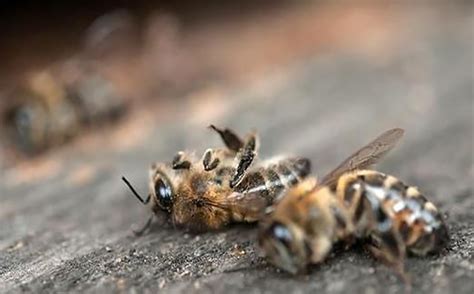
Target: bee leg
231,140
210,160
179,161
391,251
144,228
245,156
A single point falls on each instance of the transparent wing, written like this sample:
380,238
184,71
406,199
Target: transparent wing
366,156
250,206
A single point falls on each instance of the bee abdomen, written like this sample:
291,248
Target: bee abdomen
415,218
413,208
300,166
271,181
292,170
255,183
422,226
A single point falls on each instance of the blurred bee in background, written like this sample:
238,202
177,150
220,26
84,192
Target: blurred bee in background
52,107
226,185
352,203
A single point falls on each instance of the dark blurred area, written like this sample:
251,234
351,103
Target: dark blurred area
35,33
67,65
70,68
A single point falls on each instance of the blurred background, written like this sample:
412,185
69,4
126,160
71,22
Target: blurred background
92,90
67,67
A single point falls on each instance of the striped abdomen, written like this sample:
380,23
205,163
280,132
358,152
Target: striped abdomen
270,180
381,203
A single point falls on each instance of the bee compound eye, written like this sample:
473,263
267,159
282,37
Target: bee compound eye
23,120
281,233
23,117
163,193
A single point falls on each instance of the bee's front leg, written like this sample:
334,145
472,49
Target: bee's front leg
180,161
245,158
210,159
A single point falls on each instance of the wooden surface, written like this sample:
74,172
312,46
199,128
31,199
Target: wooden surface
69,227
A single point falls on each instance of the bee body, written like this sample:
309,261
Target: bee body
274,177
379,203
226,185
352,203
49,110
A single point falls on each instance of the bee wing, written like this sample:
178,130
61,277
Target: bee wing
366,156
246,206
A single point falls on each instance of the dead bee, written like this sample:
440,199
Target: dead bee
226,185
39,115
46,111
352,203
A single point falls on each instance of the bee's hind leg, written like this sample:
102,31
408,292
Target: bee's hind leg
245,158
391,251
231,140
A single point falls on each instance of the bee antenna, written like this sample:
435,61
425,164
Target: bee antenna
135,192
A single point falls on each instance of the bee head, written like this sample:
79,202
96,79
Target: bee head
27,125
299,230
285,246
161,188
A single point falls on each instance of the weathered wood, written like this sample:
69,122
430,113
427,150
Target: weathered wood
59,236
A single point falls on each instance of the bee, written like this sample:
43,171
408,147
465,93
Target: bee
226,185
352,203
47,110
39,115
